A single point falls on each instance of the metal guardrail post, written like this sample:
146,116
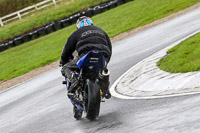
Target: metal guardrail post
18,14
54,2
1,23
36,8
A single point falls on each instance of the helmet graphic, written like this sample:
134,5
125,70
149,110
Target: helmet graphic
83,21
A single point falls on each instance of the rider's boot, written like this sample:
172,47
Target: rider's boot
74,85
108,95
106,90
77,113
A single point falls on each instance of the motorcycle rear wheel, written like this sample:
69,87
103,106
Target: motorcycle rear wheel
93,99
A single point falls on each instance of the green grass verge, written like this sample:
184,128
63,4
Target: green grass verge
44,16
184,57
19,60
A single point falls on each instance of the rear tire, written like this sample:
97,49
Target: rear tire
93,100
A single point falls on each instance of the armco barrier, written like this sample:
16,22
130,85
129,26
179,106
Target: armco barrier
2,47
26,38
127,1
8,44
33,35
41,31
120,2
97,10
112,4
89,12
59,24
65,22
49,28
17,41
104,7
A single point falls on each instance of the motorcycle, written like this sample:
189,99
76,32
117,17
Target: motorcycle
91,69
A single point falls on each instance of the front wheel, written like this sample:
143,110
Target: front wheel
93,99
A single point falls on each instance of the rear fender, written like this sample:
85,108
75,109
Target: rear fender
93,60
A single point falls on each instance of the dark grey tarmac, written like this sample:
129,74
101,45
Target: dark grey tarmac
40,105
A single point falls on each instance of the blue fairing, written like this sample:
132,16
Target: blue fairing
93,60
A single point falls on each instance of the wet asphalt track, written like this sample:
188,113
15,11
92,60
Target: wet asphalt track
41,106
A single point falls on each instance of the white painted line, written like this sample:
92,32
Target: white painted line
122,96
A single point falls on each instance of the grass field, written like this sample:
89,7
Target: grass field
19,60
42,17
184,57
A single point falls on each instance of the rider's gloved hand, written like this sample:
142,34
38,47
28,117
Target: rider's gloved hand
62,63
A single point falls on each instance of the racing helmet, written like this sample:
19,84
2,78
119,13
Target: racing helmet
83,21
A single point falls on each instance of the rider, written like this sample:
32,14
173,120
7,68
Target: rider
87,37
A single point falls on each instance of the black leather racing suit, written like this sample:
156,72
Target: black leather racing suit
84,40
